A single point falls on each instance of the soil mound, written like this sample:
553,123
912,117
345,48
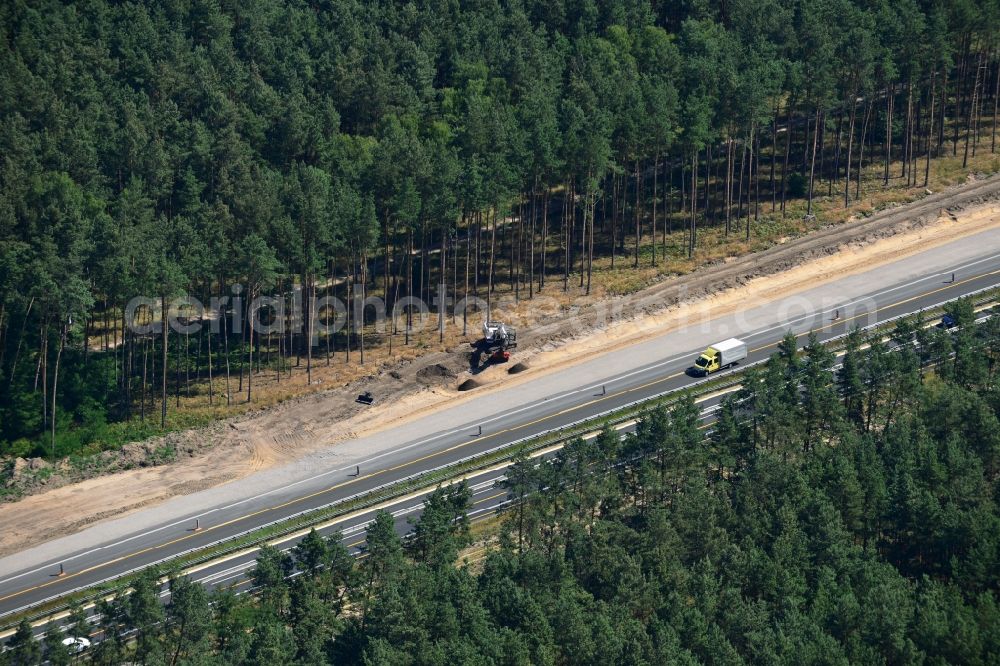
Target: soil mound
434,372
468,385
516,368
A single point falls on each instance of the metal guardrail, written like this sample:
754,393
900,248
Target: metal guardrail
377,495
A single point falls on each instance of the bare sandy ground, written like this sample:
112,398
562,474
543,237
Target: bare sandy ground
553,336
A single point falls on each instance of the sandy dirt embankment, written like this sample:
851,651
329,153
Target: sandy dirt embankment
552,337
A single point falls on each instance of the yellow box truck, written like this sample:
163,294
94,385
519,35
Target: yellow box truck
720,355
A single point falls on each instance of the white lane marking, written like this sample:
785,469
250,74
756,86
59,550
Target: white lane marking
237,571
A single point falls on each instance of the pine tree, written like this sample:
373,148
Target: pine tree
23,648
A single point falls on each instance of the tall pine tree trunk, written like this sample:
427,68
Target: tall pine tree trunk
479,252
614,217
330,349
908,125
756,180
177,369
692,238
739,192
142,388
788,151
812,164
656,173
567,222
20,341
163,369
208,340
443,296
349,278
706,210
531,232
959,84
516,256
889,106
836,153
822,145
385,263
750,173
774,157
996,97
423,261
624,209
465,293
397,278
583,240
510,231
225,339
861,153
545,237
850,145
243,344
638,231
930,131
307,282
971,115
250,316
364,295
915,140
589,212
729,183
493,246
130,343
409,289
55,385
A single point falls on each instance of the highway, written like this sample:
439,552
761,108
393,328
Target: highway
594,385
232,573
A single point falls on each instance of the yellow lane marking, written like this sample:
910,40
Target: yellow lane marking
453,448
491,497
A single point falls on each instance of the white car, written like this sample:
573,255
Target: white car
76,645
